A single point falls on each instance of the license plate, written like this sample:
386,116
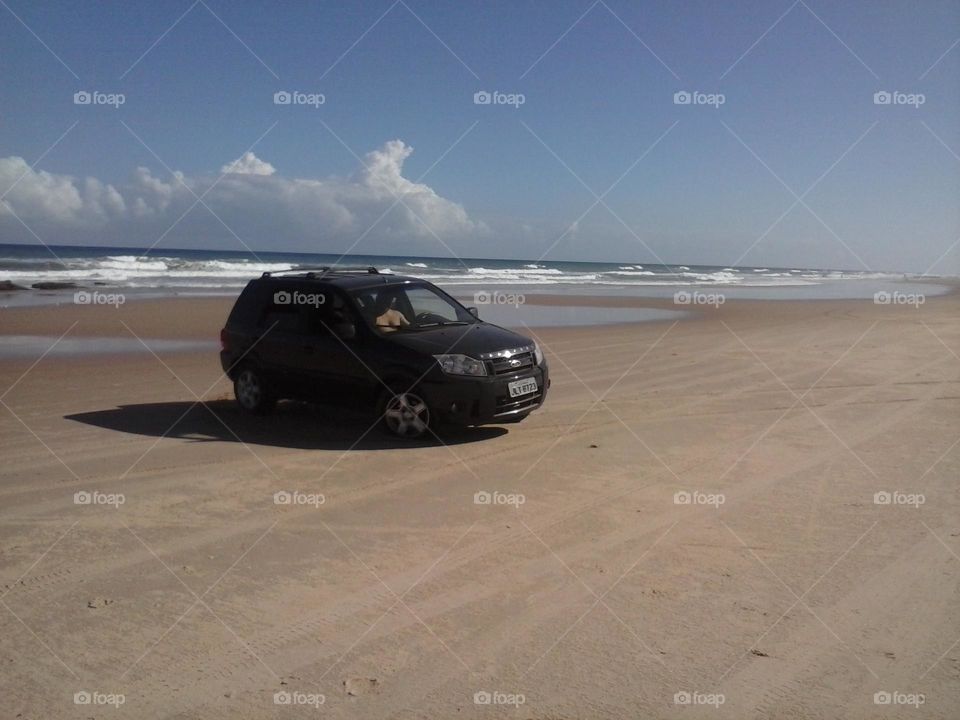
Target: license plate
522,387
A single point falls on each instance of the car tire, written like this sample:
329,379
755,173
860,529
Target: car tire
404,413
252,391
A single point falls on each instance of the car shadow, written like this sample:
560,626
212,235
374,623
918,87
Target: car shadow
292,425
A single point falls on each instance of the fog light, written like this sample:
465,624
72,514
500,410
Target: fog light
453,407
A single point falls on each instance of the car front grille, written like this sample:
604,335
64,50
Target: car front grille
512,364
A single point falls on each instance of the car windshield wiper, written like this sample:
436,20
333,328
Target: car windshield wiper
444,323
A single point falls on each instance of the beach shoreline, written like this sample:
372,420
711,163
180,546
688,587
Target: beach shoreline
209,312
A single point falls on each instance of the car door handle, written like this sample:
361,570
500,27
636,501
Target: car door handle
308,349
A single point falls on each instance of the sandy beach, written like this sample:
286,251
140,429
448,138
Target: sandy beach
749,513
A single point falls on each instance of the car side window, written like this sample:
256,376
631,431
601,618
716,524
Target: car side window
423,300
276,314
322,308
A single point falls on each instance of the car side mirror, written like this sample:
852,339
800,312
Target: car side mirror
473,311
345,330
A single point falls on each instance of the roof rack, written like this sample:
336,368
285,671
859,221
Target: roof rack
324,270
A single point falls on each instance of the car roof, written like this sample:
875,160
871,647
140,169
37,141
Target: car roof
345,280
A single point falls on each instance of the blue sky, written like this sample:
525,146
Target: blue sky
706,183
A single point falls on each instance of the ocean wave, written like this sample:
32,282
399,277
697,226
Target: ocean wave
184,272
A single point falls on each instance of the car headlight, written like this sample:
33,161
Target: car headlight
461,365
537,353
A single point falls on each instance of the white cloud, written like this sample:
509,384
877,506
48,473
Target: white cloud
249,164
264,208
57,198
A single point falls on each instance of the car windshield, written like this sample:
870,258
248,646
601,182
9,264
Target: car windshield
394,308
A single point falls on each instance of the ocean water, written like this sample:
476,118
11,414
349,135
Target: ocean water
216,270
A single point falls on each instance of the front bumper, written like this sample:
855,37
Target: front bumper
484,400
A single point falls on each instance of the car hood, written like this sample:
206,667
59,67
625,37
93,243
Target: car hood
473,340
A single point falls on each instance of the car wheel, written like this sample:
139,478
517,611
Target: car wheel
405,414
251,391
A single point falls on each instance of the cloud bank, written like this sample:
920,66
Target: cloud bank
249,201
250,204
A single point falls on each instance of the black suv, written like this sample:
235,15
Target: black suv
397,343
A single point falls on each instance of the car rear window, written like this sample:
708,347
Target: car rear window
246,310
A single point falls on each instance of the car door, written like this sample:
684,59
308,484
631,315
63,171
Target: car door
277,340
330,359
